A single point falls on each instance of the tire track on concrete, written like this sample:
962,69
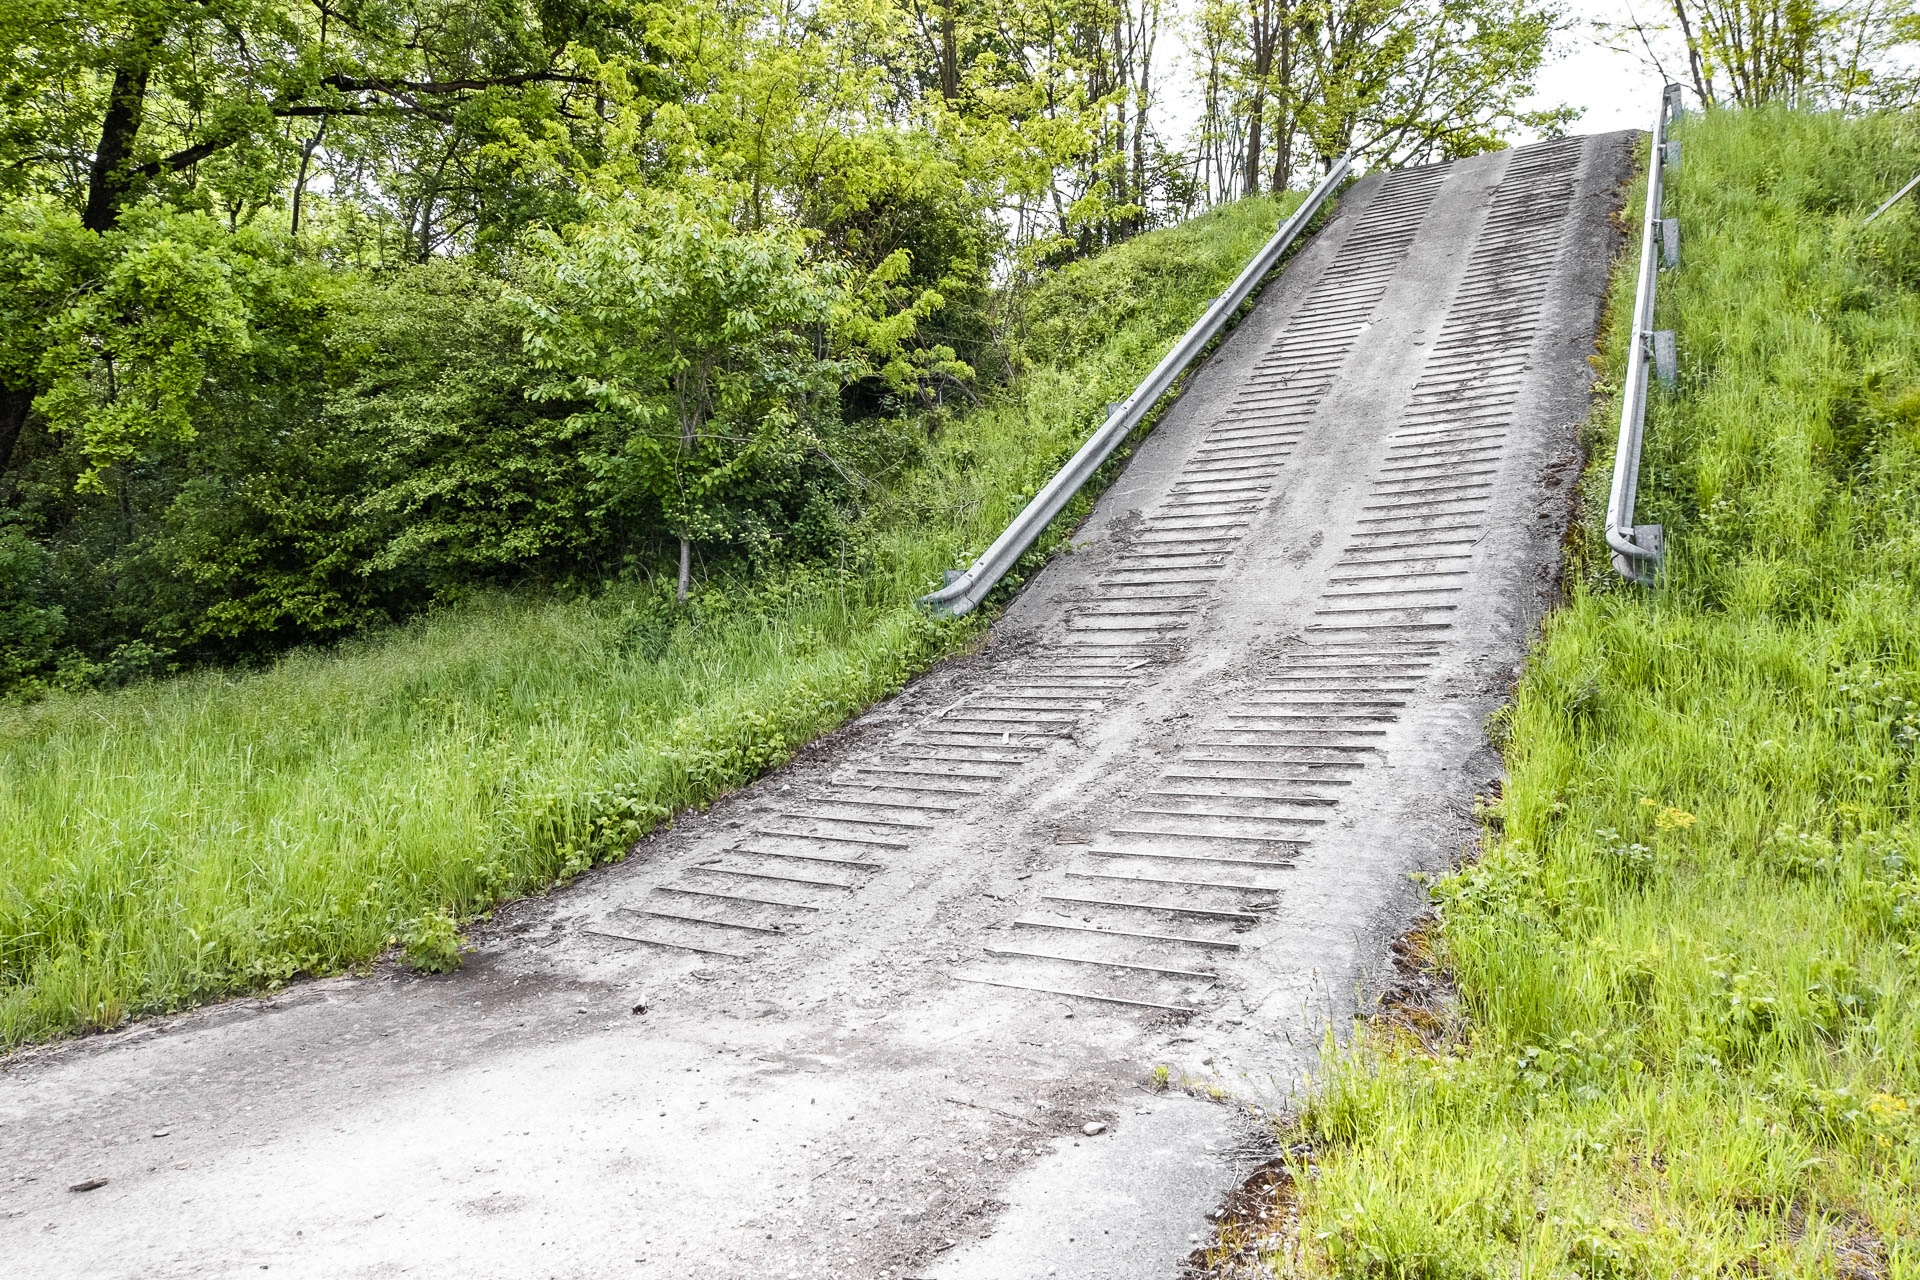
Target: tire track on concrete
1163,903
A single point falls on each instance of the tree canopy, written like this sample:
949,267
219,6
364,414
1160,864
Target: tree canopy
1845,54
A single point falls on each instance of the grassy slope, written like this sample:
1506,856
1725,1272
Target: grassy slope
1690,958
220,833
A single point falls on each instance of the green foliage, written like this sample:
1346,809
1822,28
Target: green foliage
30,628
239,450
1289,84
445,118
177,478
1074,308
464,479
311,319
1847,54
431,944
175,302
699,344
1687,956
46,257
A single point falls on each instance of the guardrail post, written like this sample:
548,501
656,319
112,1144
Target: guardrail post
1672,157
1669,243
1666,357
1675,104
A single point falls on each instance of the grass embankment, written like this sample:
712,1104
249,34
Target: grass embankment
223,832
1689,960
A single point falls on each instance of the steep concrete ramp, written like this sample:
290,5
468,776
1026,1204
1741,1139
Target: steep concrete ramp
902,999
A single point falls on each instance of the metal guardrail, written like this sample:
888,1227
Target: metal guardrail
1638,548
1892,200
964,591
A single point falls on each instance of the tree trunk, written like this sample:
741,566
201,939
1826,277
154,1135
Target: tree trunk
1149,33
1701,85
14,404
306,158
1283,123
1253,141
126,106
689,434
949,55
1261,30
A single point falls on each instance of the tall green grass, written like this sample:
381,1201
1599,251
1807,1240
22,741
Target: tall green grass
1689,960
220,833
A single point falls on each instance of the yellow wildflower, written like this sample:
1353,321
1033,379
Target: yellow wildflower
1672,819
1887,1107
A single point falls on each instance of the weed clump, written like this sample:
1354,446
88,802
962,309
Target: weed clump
431,943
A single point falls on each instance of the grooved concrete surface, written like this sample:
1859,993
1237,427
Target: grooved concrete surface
1168,816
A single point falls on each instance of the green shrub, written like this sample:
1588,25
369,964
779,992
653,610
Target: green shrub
431,943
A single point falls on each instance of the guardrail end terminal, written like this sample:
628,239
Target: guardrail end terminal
1641,565
1654,539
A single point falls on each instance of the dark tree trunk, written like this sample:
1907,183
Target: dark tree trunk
1148,36
112,159
14,405
1261,32
1258,110
1283,117
1701,85
949,55
306,159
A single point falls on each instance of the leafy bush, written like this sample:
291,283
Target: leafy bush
238,451
30,630
432,943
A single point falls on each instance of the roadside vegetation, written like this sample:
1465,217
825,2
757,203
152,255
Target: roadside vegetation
220,832
1687,1034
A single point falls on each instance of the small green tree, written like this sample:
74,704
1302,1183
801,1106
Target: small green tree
709,344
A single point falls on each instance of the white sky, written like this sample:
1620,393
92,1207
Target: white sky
1614,90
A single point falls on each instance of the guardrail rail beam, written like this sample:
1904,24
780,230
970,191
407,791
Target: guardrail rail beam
1639,549
963,592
